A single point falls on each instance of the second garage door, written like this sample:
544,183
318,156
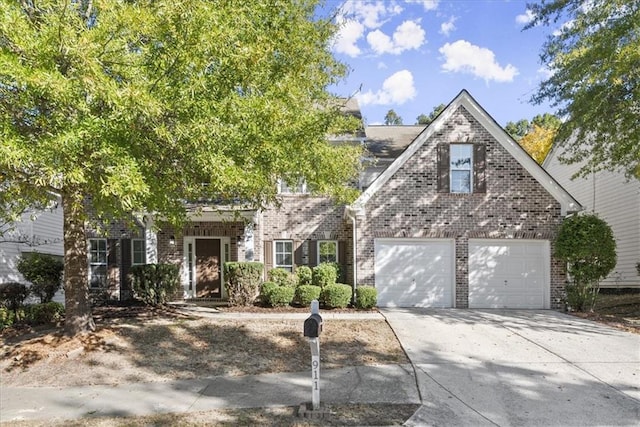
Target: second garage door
414,272
508,273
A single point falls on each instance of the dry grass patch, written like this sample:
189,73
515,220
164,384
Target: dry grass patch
168,348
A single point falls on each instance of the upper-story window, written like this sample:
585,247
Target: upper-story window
461,168
98,263
138,252
299,188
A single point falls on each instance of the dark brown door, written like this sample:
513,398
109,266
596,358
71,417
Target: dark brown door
208,283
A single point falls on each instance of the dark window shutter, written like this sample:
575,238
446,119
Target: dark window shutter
479,169
342,260
112,256
268,256
443,168
313,253
297,253
126,256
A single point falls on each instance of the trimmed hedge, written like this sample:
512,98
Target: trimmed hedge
7,317
282,277
336,295
155,284
366,297
265,291
305,275
324,274
242,282
306,293
280,296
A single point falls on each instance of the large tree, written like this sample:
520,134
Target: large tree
594,60
392,118
130,106
423,119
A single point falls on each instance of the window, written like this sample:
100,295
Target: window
461,170
138,252
97,263
283,253
300,188
327,251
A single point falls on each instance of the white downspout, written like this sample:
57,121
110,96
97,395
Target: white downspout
351,214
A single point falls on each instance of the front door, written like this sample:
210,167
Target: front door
208,278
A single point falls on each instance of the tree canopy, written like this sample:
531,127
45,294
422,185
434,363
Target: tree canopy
392,118
423,119
536,136
139,106
594,61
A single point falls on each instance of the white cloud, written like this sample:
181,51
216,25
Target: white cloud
544,72
447,27
396,89
372,14
525,18
408,35
463,57
346,41
426,4
382,66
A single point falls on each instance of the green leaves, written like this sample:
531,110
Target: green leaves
595,82
138,104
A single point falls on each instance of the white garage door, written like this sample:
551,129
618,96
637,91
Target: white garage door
508,273
414,272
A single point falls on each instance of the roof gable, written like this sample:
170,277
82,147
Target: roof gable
464,99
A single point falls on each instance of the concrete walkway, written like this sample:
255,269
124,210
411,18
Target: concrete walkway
362,384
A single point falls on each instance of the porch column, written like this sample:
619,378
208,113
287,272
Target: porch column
151,240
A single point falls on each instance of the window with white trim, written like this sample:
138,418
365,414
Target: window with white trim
283,254
299,188
138,252
327,251
461,168
97,263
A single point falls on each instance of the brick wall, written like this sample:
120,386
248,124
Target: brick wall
515,205
304,218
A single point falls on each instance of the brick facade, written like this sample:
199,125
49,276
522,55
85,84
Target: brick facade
515,205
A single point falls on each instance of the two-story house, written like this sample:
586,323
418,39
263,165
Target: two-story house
455,214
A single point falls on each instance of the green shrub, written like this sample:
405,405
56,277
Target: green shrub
305,275
242,282
12,296
155,284
281,296
587,246
48,312
335,295
7,317
44,272
265,292
324,274
282,277
366,297
305,294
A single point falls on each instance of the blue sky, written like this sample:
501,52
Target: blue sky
412,55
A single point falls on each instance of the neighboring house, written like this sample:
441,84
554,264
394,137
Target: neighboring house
614,199
455,214
37,231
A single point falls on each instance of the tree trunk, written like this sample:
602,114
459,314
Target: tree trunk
78,319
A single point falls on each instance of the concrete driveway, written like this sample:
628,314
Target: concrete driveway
519,368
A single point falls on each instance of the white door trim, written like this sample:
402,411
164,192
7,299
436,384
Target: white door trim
189,271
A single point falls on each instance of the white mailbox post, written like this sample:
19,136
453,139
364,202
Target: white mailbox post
312,330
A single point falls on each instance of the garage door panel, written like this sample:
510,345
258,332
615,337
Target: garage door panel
414,272
508,274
